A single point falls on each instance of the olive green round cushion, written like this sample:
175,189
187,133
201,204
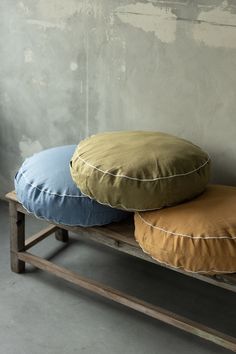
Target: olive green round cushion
137,170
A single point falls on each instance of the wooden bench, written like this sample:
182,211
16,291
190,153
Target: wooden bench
121,237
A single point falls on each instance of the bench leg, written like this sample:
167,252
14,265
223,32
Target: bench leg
62,235
17,237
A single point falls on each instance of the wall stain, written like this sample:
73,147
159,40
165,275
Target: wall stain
216,27
149,18
28,147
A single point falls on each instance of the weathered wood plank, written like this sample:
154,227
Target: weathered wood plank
105,232
11,196
21,209
17,237
39,236
153,311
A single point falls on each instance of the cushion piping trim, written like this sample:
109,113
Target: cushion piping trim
184,235
51,193
143,179
181,267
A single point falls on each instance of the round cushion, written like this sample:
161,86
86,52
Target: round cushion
45,188
198,236
136,170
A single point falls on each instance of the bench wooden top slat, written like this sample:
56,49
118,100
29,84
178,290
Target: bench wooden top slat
123,232
11,196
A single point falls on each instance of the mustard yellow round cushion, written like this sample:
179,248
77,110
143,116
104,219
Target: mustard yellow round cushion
198,236
137,170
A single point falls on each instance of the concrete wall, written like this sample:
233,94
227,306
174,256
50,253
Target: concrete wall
70,68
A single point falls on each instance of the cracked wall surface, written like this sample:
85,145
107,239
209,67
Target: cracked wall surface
71,68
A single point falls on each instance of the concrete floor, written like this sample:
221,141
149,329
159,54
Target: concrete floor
42,314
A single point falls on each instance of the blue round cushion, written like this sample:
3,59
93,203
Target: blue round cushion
45,188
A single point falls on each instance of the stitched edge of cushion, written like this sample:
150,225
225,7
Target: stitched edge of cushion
143,179
181,267
44,191
184,235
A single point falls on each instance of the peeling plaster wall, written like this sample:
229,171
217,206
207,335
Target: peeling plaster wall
71,68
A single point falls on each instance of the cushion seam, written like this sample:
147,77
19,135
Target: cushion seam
143,179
